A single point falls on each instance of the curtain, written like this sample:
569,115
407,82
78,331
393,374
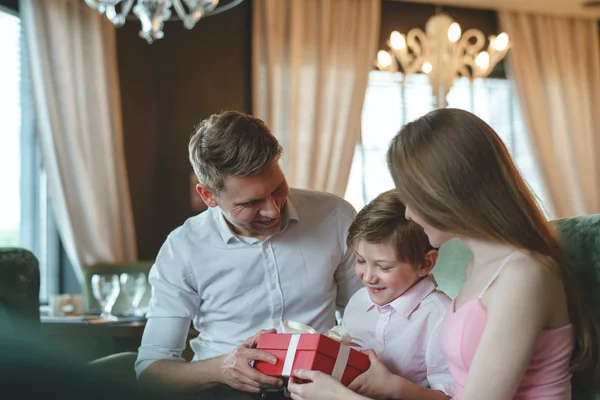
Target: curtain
311,60
555,62
72,54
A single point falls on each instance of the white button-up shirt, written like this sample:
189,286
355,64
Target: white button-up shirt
232,286
405,333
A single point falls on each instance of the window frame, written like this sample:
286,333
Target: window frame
35,210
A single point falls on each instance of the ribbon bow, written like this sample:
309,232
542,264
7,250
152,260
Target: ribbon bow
337,333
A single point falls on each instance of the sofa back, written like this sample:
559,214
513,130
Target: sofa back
19,288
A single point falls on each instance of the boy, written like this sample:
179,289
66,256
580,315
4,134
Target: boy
398,312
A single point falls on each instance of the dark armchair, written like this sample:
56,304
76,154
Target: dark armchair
19,289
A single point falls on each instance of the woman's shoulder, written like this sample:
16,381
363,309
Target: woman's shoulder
531,281
530,270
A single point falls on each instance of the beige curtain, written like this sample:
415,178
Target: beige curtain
311,60
555,62
72,58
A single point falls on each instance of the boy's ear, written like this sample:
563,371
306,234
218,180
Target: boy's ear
428,262
209,198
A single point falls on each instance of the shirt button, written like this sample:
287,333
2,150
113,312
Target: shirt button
273,286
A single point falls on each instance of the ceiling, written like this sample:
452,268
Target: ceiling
562,7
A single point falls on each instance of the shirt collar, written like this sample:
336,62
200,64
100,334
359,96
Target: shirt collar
224,230
290,213
408,302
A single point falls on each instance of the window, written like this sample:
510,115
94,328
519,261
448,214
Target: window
10,117
384,112
25,217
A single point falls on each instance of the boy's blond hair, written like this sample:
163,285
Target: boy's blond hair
382,219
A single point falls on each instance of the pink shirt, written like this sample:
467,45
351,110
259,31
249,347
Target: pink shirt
404,333
547,376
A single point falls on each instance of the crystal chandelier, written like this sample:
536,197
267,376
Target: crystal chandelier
153,13
442,52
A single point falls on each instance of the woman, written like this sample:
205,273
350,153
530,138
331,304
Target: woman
518,327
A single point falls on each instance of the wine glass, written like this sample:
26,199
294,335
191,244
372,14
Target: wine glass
134,287
141,285
106,289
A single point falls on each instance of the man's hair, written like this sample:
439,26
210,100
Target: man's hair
231,143
383,219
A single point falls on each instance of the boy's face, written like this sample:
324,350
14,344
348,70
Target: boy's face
385,277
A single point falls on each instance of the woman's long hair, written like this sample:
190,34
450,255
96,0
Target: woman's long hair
454,171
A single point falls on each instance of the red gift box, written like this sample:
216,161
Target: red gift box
311,351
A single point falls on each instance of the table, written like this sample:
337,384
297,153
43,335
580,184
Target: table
89,341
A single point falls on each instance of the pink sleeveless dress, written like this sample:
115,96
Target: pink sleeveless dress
547,376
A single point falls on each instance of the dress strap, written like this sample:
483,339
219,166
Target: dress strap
495,276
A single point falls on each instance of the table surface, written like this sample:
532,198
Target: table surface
100,339
123,327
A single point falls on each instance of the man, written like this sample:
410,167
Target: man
262,253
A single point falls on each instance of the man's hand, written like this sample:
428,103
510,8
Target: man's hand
237,372
377,382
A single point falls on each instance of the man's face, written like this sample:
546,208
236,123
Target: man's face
253,204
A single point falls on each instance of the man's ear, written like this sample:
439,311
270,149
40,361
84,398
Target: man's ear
208,196
428,262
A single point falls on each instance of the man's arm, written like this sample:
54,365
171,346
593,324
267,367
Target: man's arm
159,357
233,369
174,304
181,375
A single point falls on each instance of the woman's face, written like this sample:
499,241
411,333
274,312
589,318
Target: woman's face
436,237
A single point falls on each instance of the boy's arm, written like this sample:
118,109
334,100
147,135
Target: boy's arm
379,383
438,373
408,390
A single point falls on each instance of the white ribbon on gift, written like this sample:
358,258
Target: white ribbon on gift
296,327
337,333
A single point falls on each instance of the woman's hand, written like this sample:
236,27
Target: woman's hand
377,382
320,387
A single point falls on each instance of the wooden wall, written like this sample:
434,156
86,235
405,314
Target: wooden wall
166,89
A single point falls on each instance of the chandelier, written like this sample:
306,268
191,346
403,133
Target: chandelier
442,52
153,13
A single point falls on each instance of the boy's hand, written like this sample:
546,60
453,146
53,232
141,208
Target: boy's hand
315,385
377,382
